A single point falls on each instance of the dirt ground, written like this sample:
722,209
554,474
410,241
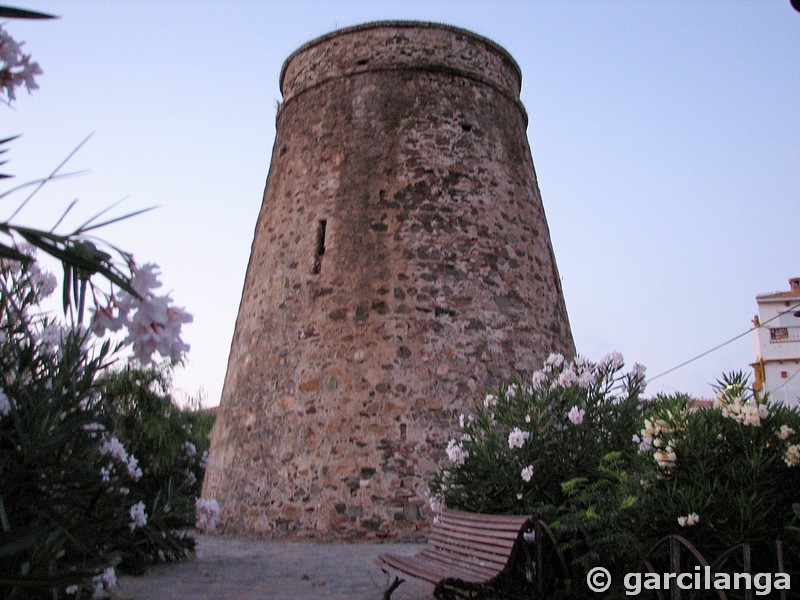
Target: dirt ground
229,569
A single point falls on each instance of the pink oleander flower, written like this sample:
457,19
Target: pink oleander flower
114,447
134,472
156,328
104,319
153,322
538,378
612,360
575,415
517,438
527,473
138,516
107,579
5,403
145,278
586,379
16,68
206,513
554,361
456,453
566,379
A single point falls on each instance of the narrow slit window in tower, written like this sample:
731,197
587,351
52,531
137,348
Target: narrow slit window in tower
320,247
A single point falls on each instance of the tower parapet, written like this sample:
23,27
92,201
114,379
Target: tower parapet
400,45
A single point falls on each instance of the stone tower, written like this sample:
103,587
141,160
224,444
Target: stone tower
401,267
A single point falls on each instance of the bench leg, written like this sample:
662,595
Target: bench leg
387,595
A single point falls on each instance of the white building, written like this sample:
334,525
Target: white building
776,342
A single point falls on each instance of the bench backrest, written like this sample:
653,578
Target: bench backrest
487,539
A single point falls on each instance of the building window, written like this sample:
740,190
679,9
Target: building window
778,334
784,374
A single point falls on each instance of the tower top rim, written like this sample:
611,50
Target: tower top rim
289,84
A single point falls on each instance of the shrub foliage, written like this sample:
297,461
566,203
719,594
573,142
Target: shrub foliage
613,474
98,468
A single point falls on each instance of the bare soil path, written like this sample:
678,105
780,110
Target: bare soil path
230,569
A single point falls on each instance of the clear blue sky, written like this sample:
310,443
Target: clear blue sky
665,134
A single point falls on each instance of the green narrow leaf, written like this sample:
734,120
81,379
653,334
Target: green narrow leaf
66,286
83,228
15,542
9,12
13,254
3,516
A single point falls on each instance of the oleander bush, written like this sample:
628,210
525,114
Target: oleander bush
171,444
558,447
721,476
99,468
613,473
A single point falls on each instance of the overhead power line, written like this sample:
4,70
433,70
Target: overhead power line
723,344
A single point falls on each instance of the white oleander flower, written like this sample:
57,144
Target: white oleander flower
666,458
792,455
689,520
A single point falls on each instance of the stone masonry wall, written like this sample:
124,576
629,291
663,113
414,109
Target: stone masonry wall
401,267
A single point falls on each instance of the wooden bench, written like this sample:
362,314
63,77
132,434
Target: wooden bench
469,555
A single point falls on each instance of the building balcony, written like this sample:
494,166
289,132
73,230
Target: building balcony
784,334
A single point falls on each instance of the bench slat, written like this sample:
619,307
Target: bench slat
487,551
462,533
429,570
467,539
494,532
487,569
477,519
